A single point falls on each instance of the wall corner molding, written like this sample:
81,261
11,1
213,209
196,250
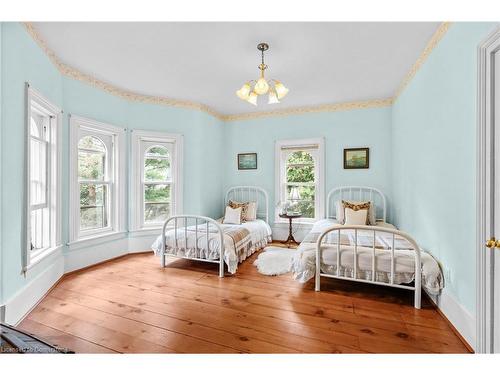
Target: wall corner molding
433,42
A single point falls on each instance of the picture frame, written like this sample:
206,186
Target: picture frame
247,161
357,158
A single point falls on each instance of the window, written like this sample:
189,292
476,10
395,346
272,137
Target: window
299,170
156,188
157,184
94,180
97,174
43,174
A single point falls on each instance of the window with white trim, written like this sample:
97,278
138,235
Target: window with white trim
97,179
299,179
156,178
43,173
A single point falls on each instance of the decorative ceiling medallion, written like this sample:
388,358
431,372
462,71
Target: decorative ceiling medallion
276,90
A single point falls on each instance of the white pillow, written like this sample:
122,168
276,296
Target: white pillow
232,216
355,217
252,211
339,212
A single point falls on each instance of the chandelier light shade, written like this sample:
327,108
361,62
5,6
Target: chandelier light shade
274,88
244,92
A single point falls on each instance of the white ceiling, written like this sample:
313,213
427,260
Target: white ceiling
321,63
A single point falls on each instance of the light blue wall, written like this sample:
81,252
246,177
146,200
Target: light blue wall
203,136
422,150
356,128
434,156
22,61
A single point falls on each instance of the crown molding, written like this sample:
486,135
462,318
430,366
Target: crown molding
433,42
76,74
347,106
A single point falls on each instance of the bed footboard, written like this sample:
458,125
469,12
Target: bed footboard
202,225
355,229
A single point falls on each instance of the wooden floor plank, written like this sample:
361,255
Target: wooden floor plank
61,339
131,305
190,309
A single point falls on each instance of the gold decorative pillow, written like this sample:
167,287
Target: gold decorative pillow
358,206
243,206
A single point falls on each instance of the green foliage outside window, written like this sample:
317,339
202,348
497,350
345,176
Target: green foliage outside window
156,196
93,196
300,172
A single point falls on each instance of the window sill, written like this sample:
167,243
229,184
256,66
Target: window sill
148,231
95,240
44,254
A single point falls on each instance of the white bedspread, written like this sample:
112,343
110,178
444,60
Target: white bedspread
186,244
304,263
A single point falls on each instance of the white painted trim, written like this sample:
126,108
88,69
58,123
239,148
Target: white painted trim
76,259
42,256
34,97
484,185
96,240
26,299
459,316
118,210
320,193
136,196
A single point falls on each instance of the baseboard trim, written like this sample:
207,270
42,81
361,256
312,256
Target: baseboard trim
458,318
102,262
84,257
23,302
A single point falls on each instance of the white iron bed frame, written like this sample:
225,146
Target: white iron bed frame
374,195
236,193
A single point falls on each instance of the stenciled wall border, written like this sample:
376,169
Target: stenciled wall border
433,42
74,73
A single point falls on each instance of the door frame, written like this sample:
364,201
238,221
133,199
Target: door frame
484,186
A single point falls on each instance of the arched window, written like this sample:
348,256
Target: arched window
94,182
157,181
98,186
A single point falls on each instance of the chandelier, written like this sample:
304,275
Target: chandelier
275,88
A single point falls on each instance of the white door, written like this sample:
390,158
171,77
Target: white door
496,252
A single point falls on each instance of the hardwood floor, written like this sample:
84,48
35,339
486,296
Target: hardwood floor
131,305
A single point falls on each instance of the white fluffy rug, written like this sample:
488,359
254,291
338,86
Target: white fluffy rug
274,261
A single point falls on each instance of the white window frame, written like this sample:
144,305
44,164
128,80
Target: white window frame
174,143
280,175
116,179
36,101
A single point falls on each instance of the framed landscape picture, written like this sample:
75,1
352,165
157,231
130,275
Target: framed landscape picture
247,161
356,158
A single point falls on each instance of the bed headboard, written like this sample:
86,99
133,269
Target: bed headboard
250,194
357,193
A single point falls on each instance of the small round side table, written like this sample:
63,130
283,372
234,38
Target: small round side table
290,240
